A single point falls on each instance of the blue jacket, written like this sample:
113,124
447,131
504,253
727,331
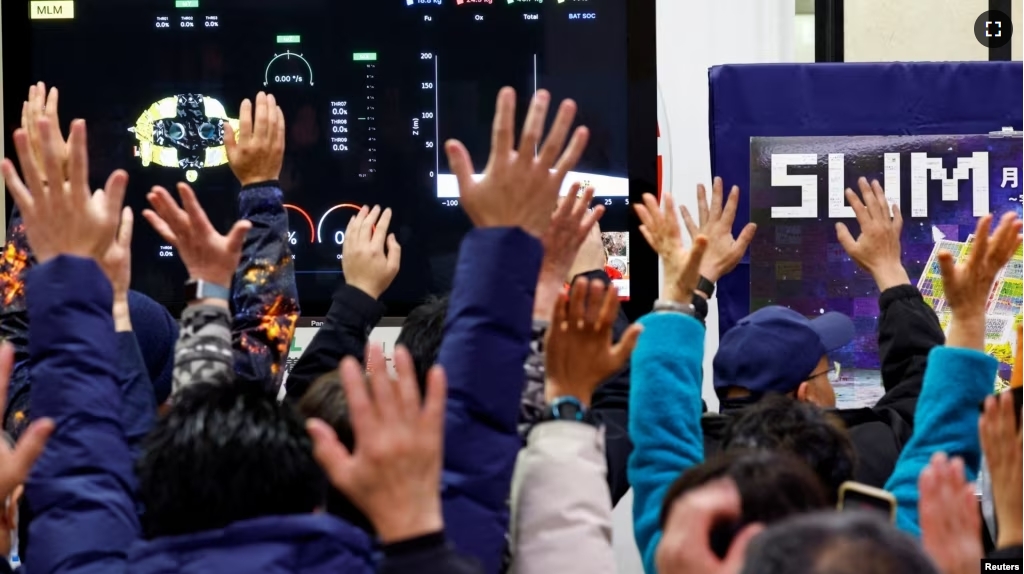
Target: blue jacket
82,489
486,342
664,418
306,544
956,381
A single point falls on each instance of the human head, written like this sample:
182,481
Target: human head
811,434
836,543
777,350
326,401
225,453
421,335
772,486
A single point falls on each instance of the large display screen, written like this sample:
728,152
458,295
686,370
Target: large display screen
371,89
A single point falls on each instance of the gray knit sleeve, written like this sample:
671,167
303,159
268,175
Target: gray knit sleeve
203,351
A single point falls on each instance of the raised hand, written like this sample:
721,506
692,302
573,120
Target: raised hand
578,350
117,261
519,188
715,222
591,255
366,265
950,519
394,473
685,546
62,215
1001,443
968,284
660,228
878,249
16,463
256,151
207,255
39,104
571,224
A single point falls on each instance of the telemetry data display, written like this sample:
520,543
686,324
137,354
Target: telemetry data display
371,90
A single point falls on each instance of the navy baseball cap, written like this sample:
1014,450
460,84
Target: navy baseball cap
774,349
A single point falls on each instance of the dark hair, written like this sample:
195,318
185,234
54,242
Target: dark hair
421,335
806,431
225,453
836,543
326,401
772,485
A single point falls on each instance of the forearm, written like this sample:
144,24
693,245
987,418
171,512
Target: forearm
122,316
487,339
345,332
533,404
956,381
84,481
264,294
889,275
908,330
203,351
139,401
664,423
560,501
15,263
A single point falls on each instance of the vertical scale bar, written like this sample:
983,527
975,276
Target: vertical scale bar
437,126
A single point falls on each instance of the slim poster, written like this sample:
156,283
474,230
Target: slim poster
942,185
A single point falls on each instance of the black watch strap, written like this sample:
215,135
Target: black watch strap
705,286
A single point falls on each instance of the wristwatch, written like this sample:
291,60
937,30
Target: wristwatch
705,286
566,409
664,306
196,289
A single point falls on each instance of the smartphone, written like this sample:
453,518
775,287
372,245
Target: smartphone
857,496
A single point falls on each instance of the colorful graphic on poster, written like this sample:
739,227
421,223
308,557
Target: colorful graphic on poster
942,184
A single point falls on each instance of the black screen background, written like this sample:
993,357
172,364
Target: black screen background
111,63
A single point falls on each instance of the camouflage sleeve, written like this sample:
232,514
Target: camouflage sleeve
533,404
264,296
203,351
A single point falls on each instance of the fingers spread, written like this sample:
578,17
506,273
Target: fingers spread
559,133
460,164
124,232
380,234
573,152
533,127
195,213
245,120
503,132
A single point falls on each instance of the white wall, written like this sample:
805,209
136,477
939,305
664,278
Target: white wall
914,30
693,36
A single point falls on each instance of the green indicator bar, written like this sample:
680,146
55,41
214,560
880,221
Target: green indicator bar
364,57
289,39
186,3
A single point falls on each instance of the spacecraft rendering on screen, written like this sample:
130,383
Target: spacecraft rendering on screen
184,131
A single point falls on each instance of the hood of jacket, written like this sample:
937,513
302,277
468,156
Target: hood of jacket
297,544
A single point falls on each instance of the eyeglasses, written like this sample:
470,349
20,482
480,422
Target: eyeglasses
833,373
